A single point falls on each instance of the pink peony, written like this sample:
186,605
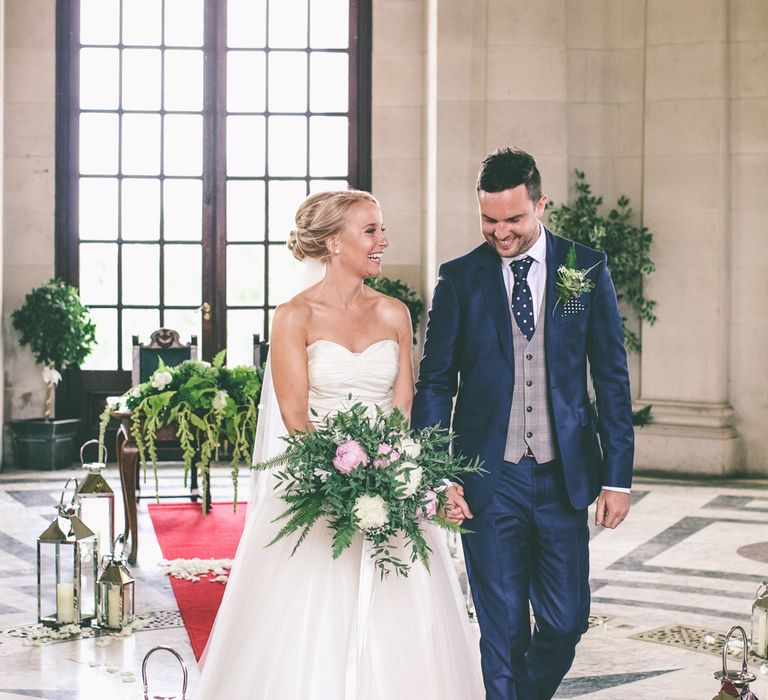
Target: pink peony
428,506
388,455
349,456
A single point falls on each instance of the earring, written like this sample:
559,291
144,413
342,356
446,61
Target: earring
337,251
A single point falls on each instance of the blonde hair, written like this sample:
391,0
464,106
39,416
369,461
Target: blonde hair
320,216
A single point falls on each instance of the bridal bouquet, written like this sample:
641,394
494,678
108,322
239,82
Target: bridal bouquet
367,475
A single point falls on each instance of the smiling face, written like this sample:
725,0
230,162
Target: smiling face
510,220
362,242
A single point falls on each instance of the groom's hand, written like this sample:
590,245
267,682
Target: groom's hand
456,509
612,508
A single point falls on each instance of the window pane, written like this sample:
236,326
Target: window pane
141,22
327,185
184,22
141,210
99,21
98,144
288,23
187,322
141,322
141,274
284,200
99,79
328,145
141,144
104,355
245,211
288,146
245,81
183,153
141,79
182,210
183,81
246,23
241,325
329,24
97,208
287,81
245,275
98,273
329,82
245,146
285,274
183,274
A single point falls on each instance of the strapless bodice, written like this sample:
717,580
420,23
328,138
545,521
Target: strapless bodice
336,373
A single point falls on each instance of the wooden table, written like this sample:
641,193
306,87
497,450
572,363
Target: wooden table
127,452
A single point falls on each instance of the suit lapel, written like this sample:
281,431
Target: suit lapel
554,260
491,283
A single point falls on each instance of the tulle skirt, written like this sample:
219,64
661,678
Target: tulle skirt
299,628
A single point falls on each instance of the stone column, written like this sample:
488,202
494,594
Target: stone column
686,204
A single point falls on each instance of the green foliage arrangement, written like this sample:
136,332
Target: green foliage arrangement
400,290
368,477
208,402
626,245
58,329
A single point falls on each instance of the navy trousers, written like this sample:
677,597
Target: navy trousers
528,544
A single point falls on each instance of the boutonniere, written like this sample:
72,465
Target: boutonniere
572,283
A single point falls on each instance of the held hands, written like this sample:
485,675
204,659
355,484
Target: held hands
456,509
612,508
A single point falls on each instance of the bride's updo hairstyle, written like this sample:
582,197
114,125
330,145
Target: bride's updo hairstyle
320,216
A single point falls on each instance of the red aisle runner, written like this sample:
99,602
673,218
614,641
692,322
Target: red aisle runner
183,533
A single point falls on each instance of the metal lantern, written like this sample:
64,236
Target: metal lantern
735,684
66,570
95,501
166,696
116,591
759,637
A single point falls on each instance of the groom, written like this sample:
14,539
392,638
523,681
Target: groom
513,350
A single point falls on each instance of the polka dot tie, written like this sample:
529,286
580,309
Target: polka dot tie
522,301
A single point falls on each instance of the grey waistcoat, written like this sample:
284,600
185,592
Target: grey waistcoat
530,419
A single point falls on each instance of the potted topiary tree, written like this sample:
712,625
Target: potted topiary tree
58,329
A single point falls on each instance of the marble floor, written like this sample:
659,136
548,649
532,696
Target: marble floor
679,572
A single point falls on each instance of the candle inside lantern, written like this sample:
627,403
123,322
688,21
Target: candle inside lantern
114,618
65,603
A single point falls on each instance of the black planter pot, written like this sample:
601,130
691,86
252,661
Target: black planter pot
40,444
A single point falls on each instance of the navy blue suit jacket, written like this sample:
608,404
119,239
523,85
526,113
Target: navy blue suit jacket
468,354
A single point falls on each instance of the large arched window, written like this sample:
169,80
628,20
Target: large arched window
188,132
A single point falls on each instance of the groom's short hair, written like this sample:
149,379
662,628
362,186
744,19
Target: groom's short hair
509,167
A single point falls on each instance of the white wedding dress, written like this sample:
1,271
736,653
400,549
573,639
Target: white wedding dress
309,627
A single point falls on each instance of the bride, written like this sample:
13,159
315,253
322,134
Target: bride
309,627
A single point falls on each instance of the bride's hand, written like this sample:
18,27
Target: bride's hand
456,509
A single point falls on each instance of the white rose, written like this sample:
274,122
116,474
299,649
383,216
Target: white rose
410,476
136,392
219,402
51,376
410,447
114,402
370,512
161,379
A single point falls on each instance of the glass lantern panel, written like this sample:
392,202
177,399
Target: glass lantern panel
87,592
47,553
97,511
